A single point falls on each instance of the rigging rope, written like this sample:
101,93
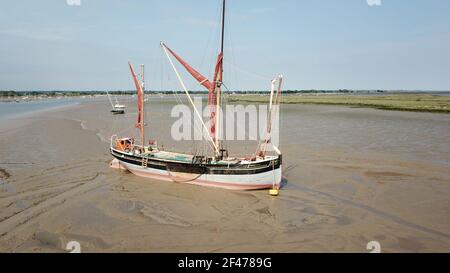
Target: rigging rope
263,77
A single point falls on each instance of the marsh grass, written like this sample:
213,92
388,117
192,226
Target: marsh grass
403,102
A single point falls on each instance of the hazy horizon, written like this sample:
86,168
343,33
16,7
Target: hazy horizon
320,45
205,91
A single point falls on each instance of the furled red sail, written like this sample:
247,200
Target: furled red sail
139,94
212,97
219,70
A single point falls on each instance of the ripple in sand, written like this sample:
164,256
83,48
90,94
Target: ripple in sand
163,215
49,239
386,174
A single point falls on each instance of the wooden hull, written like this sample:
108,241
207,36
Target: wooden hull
252,176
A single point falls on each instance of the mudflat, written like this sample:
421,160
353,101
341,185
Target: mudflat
353,175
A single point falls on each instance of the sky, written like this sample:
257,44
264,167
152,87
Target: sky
315,44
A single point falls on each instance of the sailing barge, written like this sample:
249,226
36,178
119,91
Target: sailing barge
258,171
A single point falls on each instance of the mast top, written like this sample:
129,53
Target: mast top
223,25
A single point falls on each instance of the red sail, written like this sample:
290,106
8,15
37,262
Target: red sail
219,70
199,77
211,86
212,98
139,93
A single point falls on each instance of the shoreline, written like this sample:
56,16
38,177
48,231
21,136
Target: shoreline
409,102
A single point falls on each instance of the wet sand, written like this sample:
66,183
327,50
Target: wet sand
354,175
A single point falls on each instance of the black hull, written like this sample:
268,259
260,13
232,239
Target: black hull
199,169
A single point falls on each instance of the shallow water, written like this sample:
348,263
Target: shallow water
417,136
14,109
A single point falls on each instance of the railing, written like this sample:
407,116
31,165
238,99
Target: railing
113,140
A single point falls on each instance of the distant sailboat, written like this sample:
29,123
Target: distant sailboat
258,171
117,108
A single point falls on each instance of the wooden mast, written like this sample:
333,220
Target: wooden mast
223,25
219,82
142,125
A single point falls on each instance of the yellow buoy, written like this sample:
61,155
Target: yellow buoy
274,192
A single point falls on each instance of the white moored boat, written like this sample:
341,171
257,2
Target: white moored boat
116,108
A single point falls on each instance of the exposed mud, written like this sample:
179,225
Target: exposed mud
351,176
